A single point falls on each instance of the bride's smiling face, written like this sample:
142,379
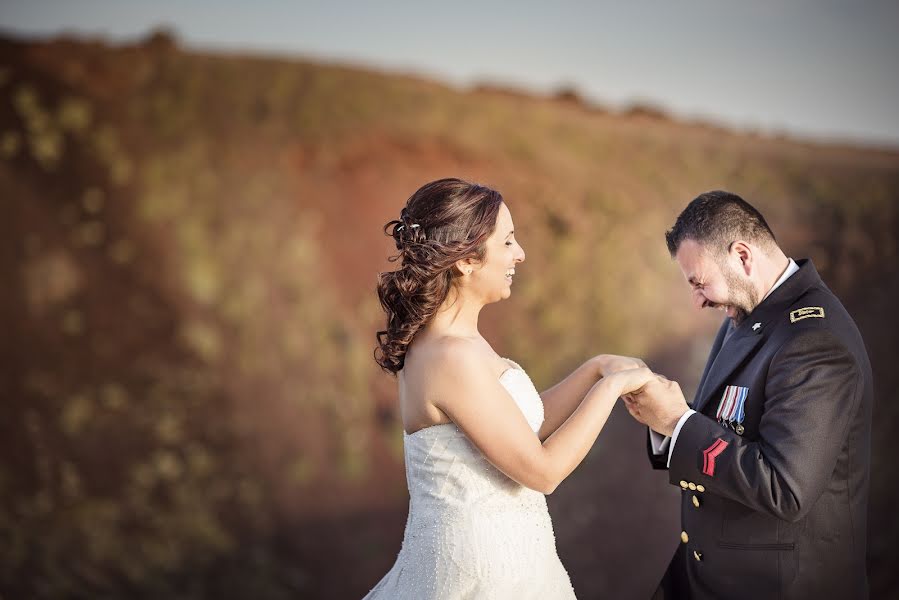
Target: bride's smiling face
491,279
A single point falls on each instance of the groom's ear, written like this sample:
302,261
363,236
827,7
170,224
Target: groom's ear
742,254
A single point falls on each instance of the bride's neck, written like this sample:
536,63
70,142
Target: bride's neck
457,316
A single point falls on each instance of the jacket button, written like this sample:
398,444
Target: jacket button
684,537
683,484
697,556
695,501
700,488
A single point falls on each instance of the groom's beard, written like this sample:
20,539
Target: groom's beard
742,296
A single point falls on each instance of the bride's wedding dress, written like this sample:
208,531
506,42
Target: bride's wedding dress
472,532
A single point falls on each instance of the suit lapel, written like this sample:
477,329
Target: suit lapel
713,353
725,363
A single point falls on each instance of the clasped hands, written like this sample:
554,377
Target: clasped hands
650,398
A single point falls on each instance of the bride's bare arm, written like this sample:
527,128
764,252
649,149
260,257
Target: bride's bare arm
468,391
560,400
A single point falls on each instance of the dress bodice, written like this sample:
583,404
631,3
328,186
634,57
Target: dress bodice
472,531
443,465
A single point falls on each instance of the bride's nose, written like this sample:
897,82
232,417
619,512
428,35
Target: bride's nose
520,256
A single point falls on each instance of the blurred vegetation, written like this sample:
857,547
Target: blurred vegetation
191,243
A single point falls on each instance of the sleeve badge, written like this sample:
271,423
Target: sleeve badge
710,454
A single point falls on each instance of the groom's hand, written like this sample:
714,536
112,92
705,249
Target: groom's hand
659,404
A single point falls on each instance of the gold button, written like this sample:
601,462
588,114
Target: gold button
697,555
683,484
684,537
695,501
691,485
700,488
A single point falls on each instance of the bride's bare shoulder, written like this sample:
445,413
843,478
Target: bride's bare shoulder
447,355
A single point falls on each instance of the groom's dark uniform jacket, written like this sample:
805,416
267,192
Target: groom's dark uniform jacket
774,467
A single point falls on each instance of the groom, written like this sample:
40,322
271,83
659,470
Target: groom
773,458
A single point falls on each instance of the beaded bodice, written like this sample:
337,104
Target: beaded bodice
443,467
473,532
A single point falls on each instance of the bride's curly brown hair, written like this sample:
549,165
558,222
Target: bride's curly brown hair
444,221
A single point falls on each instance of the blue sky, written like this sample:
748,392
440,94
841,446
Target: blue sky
815,68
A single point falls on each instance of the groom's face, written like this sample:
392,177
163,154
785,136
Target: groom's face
715,282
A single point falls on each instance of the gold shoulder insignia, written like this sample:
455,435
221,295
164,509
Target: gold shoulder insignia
805,313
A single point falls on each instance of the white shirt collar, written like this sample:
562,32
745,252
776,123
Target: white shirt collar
792,267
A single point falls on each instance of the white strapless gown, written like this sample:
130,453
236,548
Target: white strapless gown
472,532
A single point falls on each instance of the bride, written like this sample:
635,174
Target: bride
481,446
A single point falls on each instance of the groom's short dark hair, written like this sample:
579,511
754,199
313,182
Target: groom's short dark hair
715,220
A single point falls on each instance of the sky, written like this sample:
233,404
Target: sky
819,69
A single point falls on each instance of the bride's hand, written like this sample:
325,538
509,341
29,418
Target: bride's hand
630,381
612,363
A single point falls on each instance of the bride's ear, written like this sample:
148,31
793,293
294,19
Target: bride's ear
466,266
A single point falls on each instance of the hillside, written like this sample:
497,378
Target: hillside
191,242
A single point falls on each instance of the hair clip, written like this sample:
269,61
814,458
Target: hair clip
413,226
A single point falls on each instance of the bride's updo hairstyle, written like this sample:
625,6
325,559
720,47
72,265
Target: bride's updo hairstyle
444,221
